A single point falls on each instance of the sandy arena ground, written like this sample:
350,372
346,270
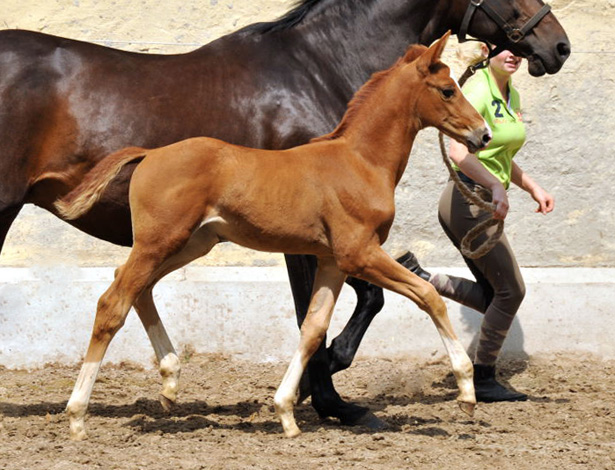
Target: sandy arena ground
225,420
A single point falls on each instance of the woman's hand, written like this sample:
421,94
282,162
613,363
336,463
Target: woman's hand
500,200
473,168
544,199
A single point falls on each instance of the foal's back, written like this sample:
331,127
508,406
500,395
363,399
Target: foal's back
278,201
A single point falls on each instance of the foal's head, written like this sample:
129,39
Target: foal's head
439,101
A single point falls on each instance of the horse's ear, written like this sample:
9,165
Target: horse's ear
433,54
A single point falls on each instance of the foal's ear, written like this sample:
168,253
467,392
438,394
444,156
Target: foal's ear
432,55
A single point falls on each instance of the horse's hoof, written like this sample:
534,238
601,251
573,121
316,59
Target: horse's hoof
80,435
292,432
366,419
167,405
467,408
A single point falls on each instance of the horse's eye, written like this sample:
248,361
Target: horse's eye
448,93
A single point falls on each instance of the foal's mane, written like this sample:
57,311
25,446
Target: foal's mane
412,53
290,19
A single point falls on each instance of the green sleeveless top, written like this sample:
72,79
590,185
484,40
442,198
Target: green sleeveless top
503,118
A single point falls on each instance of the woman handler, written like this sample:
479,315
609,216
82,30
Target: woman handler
499,289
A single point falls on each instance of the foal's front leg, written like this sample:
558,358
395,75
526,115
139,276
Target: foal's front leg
327,286
199,244
384,271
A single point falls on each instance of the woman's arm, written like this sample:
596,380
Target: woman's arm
524,181
473,168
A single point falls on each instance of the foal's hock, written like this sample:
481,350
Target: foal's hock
332,198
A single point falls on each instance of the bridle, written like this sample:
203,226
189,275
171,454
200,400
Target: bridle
513,33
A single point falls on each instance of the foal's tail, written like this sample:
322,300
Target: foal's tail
81,199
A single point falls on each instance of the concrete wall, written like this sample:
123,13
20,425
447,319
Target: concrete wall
570,140
47,316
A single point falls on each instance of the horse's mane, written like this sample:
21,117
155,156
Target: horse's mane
290,19
412,53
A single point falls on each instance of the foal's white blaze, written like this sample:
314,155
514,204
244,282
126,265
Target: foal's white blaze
454,77
488,127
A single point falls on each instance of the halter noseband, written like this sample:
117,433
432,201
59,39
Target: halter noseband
513,33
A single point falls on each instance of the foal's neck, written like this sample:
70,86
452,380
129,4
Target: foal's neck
383,127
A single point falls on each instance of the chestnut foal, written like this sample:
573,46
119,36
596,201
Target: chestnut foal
333,198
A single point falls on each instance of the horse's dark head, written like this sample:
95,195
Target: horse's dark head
526,27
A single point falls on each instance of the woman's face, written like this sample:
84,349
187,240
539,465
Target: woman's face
505,63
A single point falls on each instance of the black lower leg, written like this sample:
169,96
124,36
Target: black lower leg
343,349
327,402
7,217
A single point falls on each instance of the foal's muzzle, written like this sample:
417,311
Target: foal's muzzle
478,139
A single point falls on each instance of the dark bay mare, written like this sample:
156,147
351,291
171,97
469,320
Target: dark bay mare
66,104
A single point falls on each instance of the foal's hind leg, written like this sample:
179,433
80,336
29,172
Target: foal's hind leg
168,360
140,273
111,313
327,284
380,269
199,244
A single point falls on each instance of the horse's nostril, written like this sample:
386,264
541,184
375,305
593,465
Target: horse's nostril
486,139
563,48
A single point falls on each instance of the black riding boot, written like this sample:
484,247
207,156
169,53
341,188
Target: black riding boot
489,390
409,261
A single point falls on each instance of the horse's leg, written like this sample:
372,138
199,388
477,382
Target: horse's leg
370,300
343,348
380,269
200,243
111,313
316,380
7,217
327,284
140,273
168,361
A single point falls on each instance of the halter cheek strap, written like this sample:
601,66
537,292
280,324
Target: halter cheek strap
513,33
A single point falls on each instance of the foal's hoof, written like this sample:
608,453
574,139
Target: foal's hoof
167,405
77,436
467,408
292,432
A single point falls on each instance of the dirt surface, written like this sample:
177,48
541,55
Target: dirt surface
225,419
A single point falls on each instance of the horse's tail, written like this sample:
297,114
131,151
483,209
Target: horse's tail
81,199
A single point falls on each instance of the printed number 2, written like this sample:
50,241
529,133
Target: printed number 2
498,108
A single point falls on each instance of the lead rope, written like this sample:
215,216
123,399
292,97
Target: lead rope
479,196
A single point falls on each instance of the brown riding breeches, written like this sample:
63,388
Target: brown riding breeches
499,288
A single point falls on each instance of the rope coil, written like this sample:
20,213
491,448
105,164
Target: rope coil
480,196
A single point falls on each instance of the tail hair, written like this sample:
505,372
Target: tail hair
81,199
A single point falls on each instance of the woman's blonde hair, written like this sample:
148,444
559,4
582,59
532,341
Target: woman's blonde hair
471,53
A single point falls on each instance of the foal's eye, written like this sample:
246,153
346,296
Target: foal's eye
448,93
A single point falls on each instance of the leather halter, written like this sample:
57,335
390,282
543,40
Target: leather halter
513,33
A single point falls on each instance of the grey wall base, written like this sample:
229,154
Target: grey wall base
46,316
